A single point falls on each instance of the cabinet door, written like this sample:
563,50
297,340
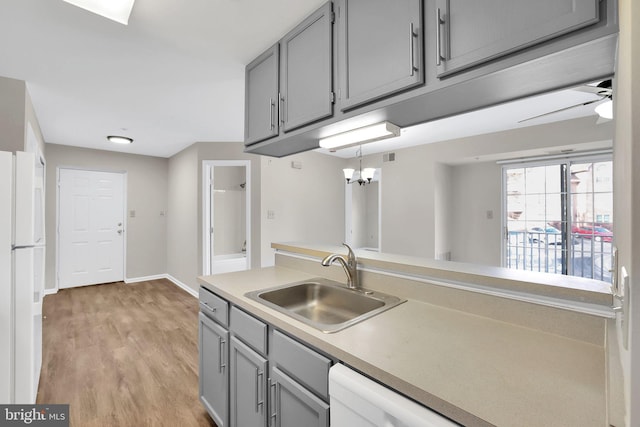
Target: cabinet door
261,97
248,386
292,405
380,49
471,32
306,71
214,375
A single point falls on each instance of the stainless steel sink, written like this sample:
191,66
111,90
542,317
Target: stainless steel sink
324,304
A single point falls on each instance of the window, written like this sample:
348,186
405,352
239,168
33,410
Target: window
558,217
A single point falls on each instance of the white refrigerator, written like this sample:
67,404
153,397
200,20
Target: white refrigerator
22,250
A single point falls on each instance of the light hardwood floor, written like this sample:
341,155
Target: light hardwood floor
123,355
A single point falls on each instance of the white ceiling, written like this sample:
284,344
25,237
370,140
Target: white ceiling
172,77
175,74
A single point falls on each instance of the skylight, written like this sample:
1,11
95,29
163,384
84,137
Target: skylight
116,10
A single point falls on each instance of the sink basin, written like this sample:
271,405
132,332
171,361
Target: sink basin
324,304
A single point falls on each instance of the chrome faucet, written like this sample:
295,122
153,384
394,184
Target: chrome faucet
350,266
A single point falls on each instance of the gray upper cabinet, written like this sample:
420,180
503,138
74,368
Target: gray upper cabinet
291,84
306,69
380,45
471,32
214,375
261,96
248,385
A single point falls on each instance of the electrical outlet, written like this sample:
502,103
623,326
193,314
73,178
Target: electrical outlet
489,214
132,213
271,214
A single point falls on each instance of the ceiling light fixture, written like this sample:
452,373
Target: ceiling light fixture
605,110
116,10
119,139
364,175
361,135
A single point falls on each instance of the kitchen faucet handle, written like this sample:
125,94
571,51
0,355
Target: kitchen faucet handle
352,255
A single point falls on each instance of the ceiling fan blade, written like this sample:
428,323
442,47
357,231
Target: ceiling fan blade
595,90
582,104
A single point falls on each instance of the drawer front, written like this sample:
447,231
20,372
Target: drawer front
214,307
249,329
303,364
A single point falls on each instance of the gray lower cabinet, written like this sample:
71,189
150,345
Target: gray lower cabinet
248,386
380,49
471,32
214,375
253,375
292,405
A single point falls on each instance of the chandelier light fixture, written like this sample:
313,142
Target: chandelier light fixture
364,175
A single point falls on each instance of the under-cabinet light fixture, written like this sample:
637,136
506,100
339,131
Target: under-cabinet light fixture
360,136
116,10
119,139
605,110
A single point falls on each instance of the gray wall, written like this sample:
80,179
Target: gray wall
147,179
184,221
307,203
12,114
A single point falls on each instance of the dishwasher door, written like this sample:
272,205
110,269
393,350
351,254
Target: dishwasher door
357,401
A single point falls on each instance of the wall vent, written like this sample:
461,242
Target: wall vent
389,157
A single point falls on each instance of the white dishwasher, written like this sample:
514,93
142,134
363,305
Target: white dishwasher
357,401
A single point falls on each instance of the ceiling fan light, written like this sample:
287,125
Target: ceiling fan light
605,110
116,10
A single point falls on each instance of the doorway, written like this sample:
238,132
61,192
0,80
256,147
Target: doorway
91,230
363,213
226,216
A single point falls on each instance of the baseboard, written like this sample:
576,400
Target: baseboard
169,277
181,285
145,278
50,292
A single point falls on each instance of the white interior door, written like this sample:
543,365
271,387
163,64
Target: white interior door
90,227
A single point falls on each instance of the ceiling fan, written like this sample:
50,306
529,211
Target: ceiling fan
602,90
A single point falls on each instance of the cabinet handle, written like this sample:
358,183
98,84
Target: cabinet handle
271,106
221,344
412,35
259,399
281,109
439,23
211,309
272,400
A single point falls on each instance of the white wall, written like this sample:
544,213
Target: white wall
476,189
307,203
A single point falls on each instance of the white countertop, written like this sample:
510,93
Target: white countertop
473,369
